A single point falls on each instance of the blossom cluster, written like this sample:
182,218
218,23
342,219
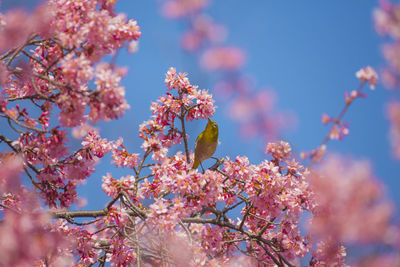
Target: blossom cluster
17,25
387,23
63,42
183,101
27,235
182,8
270,197
340,128
163,212
204,30
350,208
62,65
393,114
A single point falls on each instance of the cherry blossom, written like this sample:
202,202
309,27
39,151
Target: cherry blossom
393,113
350,206
25,228
180,8
279,151
55,75
369,75
203,30
223,58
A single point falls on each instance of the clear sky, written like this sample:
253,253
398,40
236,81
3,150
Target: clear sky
307,51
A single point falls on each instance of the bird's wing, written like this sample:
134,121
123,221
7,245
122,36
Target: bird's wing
197,140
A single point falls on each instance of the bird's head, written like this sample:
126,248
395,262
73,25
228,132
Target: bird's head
212,127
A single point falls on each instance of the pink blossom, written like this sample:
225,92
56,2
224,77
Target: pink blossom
334,132
386,19
10,169
16,26
377,260
387,23
176,81
270,191
19,85
4,74
315,155
122,158
326,119
42,149
353,95
160,207
393,113
166,214
160,132
113,187
203,30
205,106
81,131
58,188
97,146
383,23
133,47
59,178
256,115
368,74
121,252
350,206
78,169
389,78
181,8
72,109
280,151
25,231
76,22
223,58
26,238
182,252
110,102
324,255
77,69
84,242
153,144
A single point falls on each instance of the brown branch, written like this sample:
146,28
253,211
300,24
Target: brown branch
33,58
97,213
189,234
245,215
185,141
23,125
30,97
270,254
226,209
80,214
256,237
9,52
133,207
19,49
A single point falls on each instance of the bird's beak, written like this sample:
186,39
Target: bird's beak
209,119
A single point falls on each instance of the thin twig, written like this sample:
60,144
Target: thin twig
336,122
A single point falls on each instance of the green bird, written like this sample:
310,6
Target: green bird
206,143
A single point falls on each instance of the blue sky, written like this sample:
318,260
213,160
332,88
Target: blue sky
307,51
